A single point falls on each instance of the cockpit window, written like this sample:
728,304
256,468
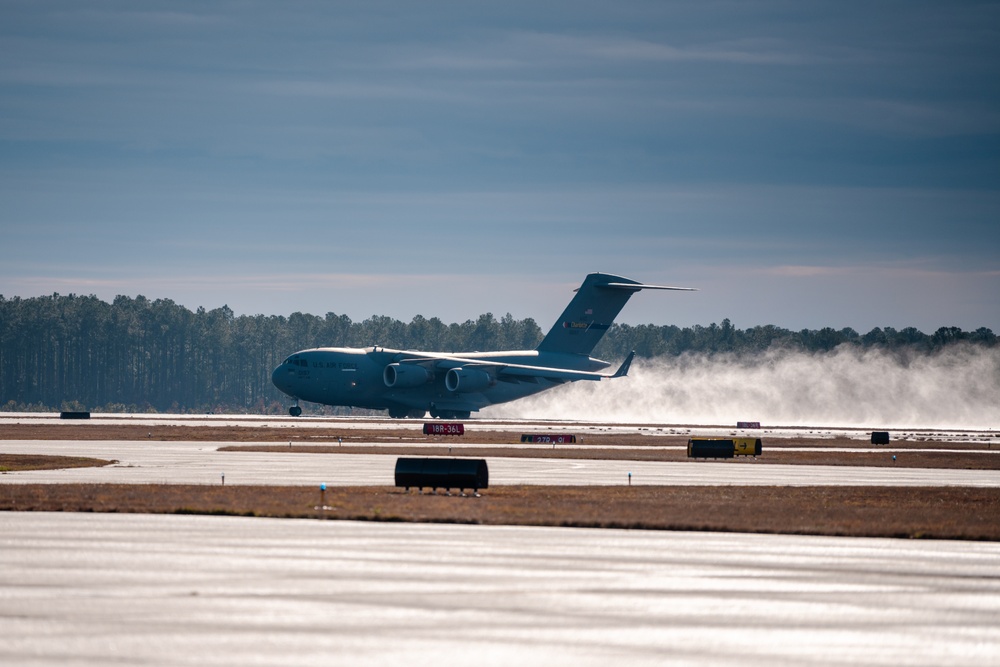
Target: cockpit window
295,361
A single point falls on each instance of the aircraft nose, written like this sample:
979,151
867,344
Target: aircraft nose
280,378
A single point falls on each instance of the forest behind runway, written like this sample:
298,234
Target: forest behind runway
139,355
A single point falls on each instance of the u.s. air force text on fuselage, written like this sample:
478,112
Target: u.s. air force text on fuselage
411,383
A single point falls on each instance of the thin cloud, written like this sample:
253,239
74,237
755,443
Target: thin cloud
631,49
916,268
550,48
804,271
133,19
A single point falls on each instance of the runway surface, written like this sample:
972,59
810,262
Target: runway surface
93,589
178,590
582,428
177,462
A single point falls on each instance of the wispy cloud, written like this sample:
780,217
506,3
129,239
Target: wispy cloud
738,53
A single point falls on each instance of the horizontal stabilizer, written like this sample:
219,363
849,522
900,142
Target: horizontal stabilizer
635,287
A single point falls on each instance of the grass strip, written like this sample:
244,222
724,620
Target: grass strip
907,512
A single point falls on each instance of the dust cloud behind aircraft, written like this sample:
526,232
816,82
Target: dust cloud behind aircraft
957,387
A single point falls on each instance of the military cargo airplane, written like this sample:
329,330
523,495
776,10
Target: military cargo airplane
452,386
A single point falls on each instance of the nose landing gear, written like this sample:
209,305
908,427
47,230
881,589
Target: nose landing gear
295,410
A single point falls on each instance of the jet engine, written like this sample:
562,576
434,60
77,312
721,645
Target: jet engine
467,379
405,375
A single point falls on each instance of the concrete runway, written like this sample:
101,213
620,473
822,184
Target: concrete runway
583,429
93,589
155,462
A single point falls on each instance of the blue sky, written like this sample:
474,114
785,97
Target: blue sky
803,164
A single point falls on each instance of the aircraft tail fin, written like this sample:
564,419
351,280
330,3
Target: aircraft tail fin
591,312
623,369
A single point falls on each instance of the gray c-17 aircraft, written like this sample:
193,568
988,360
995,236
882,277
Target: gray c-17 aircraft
452,386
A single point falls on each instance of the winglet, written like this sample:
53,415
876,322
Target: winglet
623,369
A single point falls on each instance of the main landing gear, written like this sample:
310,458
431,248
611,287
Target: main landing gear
403,413
450,414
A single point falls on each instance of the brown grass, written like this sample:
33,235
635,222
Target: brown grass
409,440
932,512
404,432
14,462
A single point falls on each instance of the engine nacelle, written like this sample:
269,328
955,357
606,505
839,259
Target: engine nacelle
467,379
405,375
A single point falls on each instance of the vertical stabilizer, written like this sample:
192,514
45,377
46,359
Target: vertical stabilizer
591,312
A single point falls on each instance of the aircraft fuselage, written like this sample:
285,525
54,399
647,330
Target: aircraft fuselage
409,383
357,377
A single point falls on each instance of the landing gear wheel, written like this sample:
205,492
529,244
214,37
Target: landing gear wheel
295,411
405,413
450,414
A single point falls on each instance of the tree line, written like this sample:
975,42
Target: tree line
137,355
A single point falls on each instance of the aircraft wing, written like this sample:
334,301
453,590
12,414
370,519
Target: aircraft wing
515,371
